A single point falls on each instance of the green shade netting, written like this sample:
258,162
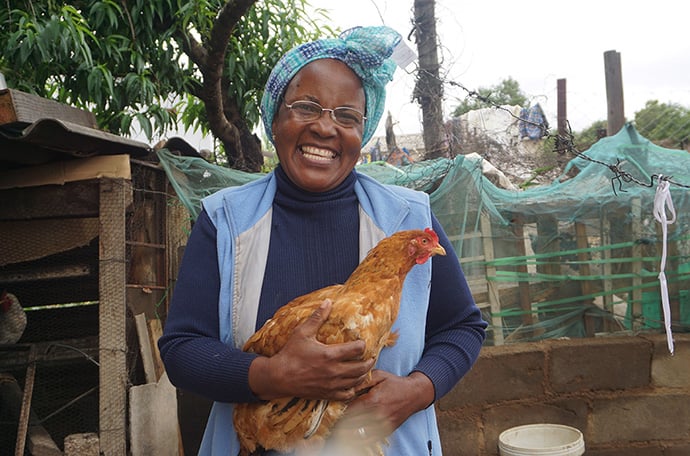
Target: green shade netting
578,256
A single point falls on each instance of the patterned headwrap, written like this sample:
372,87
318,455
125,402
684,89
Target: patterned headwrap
366,50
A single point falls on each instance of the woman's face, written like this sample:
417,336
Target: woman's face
318,155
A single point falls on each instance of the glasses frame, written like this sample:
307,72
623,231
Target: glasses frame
331,111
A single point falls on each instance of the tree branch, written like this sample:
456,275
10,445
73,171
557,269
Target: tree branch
228,17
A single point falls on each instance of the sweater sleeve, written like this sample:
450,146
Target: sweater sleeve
194,357
455,330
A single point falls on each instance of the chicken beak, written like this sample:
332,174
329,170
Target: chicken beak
438,250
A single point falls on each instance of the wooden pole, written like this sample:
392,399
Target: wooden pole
614,92
115,194
562,112
428,89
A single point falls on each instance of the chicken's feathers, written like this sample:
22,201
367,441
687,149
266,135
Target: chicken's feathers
363,308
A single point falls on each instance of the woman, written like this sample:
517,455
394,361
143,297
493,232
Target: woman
304,226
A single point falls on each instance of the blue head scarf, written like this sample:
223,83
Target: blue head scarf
366,50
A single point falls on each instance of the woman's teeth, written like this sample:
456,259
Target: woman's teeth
315,153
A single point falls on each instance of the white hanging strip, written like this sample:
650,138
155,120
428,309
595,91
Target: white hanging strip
662,201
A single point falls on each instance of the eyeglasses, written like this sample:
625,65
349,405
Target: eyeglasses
309,111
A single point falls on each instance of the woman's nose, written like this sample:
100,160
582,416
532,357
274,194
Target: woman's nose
325,125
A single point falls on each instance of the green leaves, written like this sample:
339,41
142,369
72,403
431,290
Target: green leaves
126,61
508,92
664,123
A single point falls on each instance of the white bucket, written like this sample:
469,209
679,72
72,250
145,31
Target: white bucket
541,439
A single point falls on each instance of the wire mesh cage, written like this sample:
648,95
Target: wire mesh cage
78,262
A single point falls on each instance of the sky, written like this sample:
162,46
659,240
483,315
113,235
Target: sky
537,42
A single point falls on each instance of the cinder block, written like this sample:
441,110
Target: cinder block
501,373
615,363
668,370
677,450
652,417
627,450
461,435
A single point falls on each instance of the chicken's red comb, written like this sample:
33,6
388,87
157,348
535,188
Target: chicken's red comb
432,233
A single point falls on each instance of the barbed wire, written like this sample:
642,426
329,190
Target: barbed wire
565,143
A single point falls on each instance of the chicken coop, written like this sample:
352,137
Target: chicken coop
90,238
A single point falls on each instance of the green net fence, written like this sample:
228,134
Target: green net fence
576,258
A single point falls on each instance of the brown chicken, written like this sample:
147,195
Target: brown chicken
12,319
364,307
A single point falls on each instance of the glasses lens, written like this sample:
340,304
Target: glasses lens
309,110
306,110
347,117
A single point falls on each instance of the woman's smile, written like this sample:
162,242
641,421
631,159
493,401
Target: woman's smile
318,154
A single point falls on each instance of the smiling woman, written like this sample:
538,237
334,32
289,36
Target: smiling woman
305,226
318,154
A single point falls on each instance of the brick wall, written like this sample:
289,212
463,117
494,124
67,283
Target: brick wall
626,394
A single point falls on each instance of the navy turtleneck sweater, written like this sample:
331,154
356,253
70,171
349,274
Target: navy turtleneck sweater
314,242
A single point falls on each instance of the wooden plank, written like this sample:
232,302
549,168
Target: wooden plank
155,332
636,213
23,426
59,272
48,353
523,286
607,270
73,199
114,196
17,107
548,242
178,227
38,441
491,286
113,166
145,348
585,286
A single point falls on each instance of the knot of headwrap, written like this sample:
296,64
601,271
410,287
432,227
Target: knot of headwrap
366,50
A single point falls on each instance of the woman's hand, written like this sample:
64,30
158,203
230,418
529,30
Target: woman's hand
307,368
384,403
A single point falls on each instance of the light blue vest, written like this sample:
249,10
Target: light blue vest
242,217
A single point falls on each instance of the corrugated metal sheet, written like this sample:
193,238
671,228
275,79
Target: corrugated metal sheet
48,140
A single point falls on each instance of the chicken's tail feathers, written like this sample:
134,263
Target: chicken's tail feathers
316,418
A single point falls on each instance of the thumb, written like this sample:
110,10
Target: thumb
317,318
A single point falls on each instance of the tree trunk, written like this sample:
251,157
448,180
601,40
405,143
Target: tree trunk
429,90
242,148
251,158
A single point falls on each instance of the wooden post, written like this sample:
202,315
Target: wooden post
491,285
23,426
607,283
562,112
428,89
114,194
549,242
523,286
614,92
636,212
585,286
